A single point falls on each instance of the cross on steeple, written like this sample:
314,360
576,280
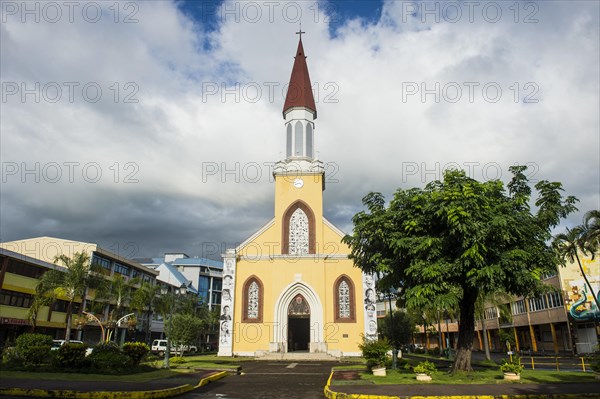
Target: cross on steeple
300,31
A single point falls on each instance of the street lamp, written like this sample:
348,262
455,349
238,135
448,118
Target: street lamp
171,295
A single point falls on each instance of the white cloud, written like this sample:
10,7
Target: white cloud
372,137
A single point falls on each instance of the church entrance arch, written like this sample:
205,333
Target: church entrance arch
298,332
304,318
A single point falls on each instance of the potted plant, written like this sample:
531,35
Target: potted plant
423,370
375,352
512,370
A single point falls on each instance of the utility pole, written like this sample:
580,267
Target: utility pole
394,348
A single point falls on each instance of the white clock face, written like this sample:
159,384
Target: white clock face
298,183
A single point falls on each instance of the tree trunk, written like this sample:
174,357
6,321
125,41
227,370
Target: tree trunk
466,331
69,317
148,326
439,322
486,343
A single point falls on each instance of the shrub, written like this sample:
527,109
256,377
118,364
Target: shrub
425,367
33,349
136,351
71,356
10,358
374,351
433,351
108,357
511,367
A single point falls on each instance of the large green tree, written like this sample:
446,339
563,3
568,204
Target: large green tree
464,235
185,330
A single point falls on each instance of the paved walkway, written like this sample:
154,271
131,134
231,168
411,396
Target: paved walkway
300,380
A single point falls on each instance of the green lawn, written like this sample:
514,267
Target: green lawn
140,377
477,377
201,361
187,365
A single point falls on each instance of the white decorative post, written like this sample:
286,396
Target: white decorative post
227,302
370,306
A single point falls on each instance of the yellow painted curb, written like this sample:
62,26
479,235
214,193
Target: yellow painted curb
156,394
342,395
211,378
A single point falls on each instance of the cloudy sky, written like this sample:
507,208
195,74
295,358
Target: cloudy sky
152,127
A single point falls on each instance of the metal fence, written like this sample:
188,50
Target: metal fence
557,363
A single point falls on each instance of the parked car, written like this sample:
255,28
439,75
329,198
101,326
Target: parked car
57,343
159,347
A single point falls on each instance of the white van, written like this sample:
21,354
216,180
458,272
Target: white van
159,347
57,343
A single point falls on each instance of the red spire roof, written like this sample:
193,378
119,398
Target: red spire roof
299,90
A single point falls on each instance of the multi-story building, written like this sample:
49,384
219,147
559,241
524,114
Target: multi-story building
25,261
557,321
204,275
560,320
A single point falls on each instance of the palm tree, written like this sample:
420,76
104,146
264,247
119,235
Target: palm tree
591,233
71,282
494,298
41,298
569,245
144,300
119,290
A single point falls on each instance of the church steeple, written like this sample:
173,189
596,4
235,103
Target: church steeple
299,90
299,111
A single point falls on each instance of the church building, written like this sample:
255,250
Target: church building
290,287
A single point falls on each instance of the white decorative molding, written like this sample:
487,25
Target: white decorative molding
334,227
255,235
227,304
292,258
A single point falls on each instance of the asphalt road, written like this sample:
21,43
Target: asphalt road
270,380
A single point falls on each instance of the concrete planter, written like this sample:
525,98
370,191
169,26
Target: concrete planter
512,376
423,377
379,371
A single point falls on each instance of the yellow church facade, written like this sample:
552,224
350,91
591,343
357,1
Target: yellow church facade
291,287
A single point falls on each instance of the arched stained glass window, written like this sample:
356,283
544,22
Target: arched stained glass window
252,300
298,235
343,291
344,300
298,230
252,310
